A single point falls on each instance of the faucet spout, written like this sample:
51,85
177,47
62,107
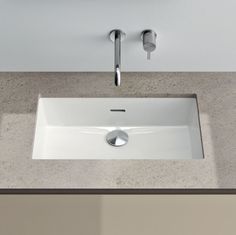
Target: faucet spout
116,36
117,51
117,76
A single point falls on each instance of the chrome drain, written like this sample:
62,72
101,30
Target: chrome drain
117,138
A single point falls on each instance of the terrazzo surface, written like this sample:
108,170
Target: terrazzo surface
216,94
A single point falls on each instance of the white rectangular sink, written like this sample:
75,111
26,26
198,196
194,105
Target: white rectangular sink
157,128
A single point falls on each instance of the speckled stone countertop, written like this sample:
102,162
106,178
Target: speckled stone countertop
216,93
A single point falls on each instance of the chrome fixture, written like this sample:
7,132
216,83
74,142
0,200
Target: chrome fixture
117,138
149,41
117,36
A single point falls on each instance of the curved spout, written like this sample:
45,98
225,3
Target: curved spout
116,36
117,76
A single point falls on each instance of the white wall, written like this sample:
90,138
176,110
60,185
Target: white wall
72,35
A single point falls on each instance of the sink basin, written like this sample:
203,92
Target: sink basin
154,128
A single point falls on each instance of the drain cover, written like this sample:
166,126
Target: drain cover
117,138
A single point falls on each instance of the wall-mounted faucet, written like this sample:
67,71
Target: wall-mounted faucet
117,36
149,45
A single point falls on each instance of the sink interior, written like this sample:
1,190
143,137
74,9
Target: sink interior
157,128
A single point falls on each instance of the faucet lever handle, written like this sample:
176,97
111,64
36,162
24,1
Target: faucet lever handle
149,41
